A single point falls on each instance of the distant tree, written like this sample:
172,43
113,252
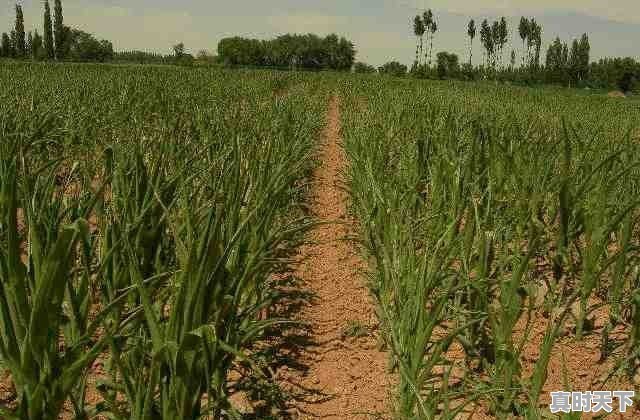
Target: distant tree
37,51
585,54
289,51
20,41
237,51
524,29
471,32
12,45
346,55
534,43
48,32
82,46
205,57
615,73
486,37
393,68
448,65
29,46
579,59
335,53
553,53
627,82
427,20
574,60
178,50
419,30
495,43
58,30
6,45
503,38
330,47
433,29
360,67
142,57
536,35
556,65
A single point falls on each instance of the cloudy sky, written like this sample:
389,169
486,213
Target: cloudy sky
381,29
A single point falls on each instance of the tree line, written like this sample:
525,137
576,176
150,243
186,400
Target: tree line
289,51
570,66
566,63
57,42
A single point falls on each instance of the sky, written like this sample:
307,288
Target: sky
380,29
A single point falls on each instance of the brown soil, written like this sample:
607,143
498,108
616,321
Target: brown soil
341,374
616,94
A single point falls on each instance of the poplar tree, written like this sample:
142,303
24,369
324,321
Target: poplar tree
20,41
536,37
524,31
579,58
585,53
6,45
433,29
427,20
495,43
48,32
471,31
58,30
36,49
503,35
418,31
486,39
12,44
29,49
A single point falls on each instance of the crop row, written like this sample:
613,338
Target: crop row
144,216
501,224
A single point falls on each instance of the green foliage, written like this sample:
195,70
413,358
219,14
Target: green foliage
20,38
6,47
59,31
419,30
448,65
29,45
37,48
393,68
579,59
615,73
360,67
289,51
48,42
146,232
141,57
471,32
82,46
557,65
471,200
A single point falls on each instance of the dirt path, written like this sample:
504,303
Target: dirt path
345,374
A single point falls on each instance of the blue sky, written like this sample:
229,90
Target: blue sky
380,28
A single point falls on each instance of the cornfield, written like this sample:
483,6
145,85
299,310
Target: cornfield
148,213
501,225
144,214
